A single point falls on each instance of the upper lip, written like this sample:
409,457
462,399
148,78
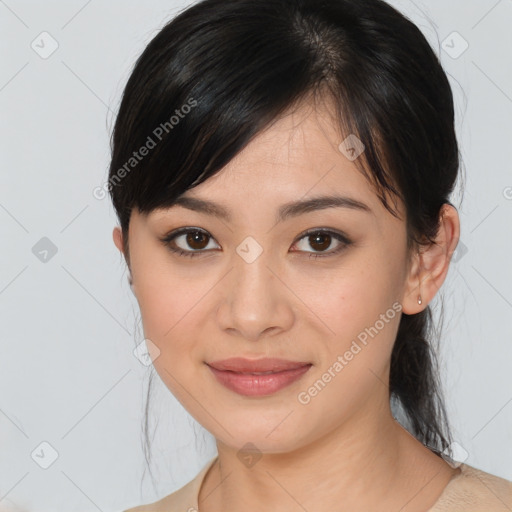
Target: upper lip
242,365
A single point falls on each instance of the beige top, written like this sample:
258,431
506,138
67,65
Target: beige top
470,490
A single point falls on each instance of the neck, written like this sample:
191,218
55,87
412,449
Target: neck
370,462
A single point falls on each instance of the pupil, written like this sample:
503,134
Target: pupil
319,236
192,239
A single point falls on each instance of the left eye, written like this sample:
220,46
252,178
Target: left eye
198,239
321,240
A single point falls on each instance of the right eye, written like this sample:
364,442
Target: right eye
195,238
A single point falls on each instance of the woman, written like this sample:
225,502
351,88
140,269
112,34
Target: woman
281,171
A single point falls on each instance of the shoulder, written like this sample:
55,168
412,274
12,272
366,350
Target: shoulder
474,490
185,499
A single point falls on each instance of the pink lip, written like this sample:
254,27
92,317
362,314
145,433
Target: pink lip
245,376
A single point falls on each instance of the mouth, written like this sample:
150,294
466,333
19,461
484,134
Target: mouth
257,366
261,377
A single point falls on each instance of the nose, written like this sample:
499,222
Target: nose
255,300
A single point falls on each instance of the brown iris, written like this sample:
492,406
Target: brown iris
318,236
195,237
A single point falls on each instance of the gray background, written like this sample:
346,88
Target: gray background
69,323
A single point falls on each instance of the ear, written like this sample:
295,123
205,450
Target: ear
430,265
117,235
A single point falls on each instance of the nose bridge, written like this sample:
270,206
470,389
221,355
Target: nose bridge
252,275
254,301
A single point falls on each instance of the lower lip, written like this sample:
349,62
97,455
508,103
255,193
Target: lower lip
258,385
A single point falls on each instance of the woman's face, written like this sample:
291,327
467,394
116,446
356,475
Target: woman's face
254,289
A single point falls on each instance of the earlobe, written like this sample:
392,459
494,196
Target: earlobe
431,264
412,292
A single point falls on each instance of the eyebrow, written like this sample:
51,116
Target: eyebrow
286,211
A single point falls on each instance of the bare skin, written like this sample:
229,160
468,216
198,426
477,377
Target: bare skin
342,450
412,481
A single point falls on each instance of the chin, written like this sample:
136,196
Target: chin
265,436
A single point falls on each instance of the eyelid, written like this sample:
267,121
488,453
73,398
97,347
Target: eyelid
336,234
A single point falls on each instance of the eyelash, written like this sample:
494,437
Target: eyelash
345,242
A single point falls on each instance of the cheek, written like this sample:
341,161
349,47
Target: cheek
354,360
342,297
357,306
169,297
173,305
170,310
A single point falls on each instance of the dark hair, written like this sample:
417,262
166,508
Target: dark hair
226,69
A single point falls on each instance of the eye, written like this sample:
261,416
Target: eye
198,240
195,238
321,239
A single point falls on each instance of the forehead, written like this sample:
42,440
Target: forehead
296,159
302,153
